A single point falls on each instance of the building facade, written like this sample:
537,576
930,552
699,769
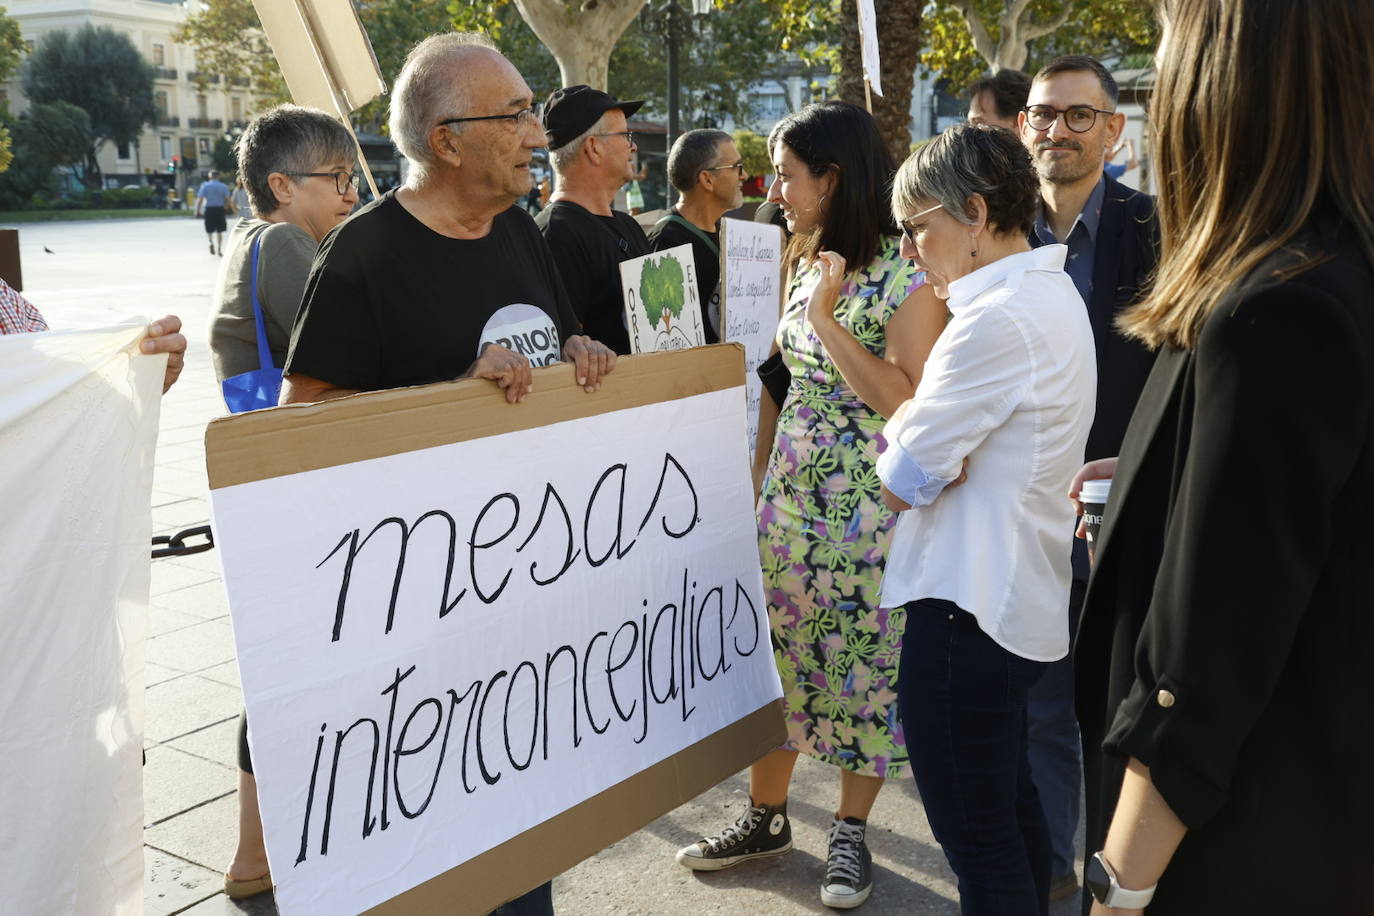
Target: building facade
190,119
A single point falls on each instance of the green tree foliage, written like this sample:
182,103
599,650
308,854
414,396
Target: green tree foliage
661,289
228,39
955,29
753,152
11,53
100,71
46,137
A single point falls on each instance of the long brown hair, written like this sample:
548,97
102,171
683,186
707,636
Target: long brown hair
1261,111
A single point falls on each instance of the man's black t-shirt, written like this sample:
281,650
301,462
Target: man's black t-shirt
588,250
390,302
670,234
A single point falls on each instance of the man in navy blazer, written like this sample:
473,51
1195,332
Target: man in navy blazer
1069,123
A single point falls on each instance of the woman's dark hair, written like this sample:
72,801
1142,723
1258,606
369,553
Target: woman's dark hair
844,138
970,159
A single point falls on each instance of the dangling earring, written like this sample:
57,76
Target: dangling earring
820,203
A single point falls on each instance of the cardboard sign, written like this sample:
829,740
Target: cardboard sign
481,641
662,302
751,299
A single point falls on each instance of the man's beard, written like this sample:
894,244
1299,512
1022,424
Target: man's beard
1064,171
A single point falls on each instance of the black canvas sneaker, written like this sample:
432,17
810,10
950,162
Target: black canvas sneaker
848,867
762,830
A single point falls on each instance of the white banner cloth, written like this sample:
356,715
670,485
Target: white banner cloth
78,425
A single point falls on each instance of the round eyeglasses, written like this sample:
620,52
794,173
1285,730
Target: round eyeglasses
343,181
1077,118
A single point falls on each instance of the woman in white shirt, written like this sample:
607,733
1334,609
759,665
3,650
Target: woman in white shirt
1007,395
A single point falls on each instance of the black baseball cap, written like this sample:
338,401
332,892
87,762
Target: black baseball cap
569,112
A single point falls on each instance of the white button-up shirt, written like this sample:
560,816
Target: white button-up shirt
1011,386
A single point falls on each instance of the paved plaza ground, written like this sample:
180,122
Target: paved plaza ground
98,272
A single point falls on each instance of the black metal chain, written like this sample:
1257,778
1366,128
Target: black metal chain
176,546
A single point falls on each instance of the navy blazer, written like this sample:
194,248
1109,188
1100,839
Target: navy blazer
1124,258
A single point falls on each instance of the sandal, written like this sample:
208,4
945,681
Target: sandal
239,890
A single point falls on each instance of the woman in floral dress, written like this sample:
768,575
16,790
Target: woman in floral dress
856,329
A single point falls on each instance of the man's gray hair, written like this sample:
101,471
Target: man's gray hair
693,152
426,92
288,139
563,158
965,160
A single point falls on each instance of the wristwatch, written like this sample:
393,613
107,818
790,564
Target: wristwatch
1100,879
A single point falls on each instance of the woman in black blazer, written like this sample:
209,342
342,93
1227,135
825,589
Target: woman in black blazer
1226,653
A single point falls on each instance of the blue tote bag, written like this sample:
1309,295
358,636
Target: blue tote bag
257,388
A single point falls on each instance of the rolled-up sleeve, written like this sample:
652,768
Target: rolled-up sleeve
1283,394
970,386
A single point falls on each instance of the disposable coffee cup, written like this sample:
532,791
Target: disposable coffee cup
1093,496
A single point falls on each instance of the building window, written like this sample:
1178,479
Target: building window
200,108
236,109
205,146
770,106
121,150
160,101
165,144
159,56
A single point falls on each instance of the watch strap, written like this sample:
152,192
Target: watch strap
1118,896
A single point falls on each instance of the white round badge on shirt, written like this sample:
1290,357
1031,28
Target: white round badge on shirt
525,329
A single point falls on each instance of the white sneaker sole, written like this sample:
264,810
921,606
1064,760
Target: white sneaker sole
845,901
698,863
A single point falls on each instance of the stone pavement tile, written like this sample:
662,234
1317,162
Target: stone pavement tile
226,673
184,513
164,620
206,561
171,577
179,451
206,835
218,742
187,703
260,905
193,648
204,599
165,497
170,885
174,781
181,480
156,674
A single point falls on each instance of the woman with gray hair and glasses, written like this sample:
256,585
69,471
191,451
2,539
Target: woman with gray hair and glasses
297,166
1006,398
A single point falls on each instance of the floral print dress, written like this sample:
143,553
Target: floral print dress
824,535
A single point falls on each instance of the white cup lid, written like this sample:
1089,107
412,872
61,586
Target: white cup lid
1095,491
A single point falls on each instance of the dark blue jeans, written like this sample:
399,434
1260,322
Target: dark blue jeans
963,707
538,902
1056,747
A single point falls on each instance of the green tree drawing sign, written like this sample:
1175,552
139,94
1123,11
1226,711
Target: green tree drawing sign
661,289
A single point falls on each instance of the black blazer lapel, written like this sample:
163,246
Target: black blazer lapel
1161,391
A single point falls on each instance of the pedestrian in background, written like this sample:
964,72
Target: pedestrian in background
211,197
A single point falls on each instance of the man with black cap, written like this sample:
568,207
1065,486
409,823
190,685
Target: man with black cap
592,151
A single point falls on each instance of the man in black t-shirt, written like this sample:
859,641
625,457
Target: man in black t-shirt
443,278
592,151
708,173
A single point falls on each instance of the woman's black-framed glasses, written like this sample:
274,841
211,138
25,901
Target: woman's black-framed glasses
1077,118
908,229
343,181
522,118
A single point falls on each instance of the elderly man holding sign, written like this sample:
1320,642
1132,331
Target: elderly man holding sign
442,278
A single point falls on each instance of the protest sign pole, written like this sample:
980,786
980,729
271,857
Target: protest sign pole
325,58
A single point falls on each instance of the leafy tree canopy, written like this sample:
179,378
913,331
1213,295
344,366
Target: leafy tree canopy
1043,30
58,132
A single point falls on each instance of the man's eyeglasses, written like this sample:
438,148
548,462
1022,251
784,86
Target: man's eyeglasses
522,118
1077,118
629,135
738,167
910,230
343,181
